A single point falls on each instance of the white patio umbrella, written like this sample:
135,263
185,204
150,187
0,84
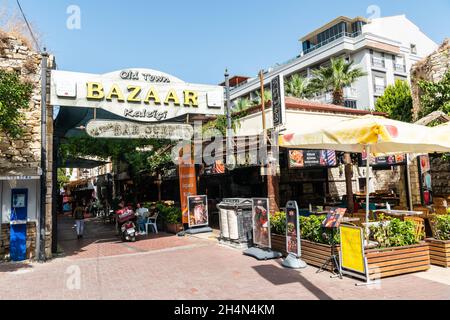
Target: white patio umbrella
373,135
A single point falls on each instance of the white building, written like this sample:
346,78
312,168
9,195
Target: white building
384,48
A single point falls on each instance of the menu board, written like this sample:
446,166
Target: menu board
299,159
393,160
425,180
292,229
261,223
198,211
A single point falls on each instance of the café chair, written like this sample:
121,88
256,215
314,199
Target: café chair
151,221
420,227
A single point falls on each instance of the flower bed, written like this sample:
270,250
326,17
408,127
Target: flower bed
388,262
399,252
440,244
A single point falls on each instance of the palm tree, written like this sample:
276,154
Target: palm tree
338,75
267,97
242,105
298,87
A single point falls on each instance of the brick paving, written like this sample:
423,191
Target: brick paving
169,267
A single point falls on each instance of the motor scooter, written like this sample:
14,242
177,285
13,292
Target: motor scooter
126,220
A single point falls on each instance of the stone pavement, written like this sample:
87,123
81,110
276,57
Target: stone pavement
191,268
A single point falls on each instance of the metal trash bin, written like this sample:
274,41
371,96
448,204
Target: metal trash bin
236,224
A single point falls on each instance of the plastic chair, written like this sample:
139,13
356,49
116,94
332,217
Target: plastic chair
151,221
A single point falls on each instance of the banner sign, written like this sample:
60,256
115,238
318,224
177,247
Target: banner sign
188,187
130,130
293,244
299,159
352,256
198,211
426,186
261,223
383,161
140,95
278,101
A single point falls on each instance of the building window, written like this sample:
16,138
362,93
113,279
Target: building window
380,85
350,104
413,48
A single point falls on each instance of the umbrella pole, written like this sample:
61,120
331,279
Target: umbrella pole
367,191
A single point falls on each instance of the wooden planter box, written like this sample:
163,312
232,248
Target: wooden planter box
314,254
174,228
439,252
390,262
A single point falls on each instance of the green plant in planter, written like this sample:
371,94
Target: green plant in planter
311,230
278,223
441,227
173,216
395,233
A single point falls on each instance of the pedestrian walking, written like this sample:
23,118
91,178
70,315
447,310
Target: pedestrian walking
79,218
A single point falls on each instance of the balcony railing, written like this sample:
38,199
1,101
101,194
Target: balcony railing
400,67
379,90
349,93
332,39
378,62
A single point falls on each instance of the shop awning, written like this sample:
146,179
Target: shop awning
80,163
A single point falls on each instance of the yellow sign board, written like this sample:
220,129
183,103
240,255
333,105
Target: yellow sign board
352,250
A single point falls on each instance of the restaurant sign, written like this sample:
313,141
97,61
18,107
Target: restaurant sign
140,95
131,130
278,101
299,159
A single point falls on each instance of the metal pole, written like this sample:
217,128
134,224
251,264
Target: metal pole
42,217
408,182
229,115
367,191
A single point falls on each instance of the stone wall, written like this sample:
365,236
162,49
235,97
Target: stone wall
431,68
24,154
5,241
440,175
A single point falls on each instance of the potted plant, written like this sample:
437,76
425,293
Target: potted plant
399,251
440,243
173,220
315,246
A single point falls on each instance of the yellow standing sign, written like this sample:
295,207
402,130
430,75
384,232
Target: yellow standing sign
353,261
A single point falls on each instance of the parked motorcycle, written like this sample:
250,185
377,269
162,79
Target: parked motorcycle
126,220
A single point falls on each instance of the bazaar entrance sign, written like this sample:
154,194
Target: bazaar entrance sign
131,130
140,95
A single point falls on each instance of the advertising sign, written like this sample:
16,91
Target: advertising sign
425,180
334,218
299,159
130,130
188,187
141,95
352,251
261,223
278,101
292,229
198,211
393,160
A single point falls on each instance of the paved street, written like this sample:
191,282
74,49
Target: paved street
169,267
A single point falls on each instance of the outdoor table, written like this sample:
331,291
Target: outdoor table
349,220
400,213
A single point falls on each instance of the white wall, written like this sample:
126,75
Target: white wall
33,187
401,29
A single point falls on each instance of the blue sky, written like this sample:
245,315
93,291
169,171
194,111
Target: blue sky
196,40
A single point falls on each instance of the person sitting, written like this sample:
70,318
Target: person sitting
142,214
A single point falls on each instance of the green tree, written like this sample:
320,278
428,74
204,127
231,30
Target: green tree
267,97
15,96
335,78
298,87
242,105
435,96
397,102
63,179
